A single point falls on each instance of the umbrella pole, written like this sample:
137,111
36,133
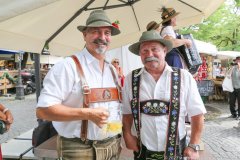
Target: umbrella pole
37,57
38,79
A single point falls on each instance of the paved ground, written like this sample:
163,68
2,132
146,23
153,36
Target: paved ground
24,115
221,134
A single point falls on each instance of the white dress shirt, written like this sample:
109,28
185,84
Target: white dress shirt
62,85
154,128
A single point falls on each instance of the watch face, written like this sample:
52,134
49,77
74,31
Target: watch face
197,147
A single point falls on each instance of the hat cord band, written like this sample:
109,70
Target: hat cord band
97,20
151,27
168,14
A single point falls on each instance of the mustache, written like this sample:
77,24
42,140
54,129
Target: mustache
149,59
100,41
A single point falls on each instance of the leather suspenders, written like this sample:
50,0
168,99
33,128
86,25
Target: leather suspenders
86,92
93,95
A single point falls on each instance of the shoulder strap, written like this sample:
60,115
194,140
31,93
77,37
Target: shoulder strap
86,92
135,104
174,109
116,81
162,29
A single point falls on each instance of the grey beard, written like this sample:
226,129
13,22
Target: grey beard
149,59
100,50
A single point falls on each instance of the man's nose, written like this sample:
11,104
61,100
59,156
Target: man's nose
149,53
101,35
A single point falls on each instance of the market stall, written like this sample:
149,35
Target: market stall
204,76
221,64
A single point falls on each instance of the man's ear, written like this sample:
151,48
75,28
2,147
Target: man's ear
165,50
84,35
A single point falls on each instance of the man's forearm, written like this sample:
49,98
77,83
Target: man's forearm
63,113
130,140
196,128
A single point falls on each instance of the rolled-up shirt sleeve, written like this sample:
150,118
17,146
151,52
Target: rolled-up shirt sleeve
57,84
126,95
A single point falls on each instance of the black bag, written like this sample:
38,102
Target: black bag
42,132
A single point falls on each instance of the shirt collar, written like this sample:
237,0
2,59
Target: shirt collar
89,58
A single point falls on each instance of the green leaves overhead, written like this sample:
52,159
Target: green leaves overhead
222,28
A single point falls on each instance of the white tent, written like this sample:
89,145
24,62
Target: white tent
227,54
48,59
128,60
206,48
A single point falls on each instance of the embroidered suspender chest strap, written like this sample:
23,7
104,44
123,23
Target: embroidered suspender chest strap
174,109
135,105
94,95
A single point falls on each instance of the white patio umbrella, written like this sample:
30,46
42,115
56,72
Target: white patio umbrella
27,24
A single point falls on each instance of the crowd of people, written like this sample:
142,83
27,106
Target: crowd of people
92,104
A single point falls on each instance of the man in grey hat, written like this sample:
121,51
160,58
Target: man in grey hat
159,99
81,95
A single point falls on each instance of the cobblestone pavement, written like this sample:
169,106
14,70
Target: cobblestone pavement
221,134
24,115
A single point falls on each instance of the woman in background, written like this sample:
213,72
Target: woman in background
173,58
115,63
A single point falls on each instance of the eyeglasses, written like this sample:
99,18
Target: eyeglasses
116,62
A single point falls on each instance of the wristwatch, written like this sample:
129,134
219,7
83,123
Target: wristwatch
196,147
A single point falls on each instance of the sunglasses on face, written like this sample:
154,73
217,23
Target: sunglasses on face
116,62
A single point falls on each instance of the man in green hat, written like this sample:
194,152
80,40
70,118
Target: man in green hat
159,99
81,95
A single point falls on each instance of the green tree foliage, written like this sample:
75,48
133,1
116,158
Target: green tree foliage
222,28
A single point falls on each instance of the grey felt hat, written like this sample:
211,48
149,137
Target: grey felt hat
98,18
150,36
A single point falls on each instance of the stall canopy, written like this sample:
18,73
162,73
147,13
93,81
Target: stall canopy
28,25
206,48
227,54
7,54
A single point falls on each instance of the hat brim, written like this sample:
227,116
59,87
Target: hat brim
115,31
165,20
134,48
